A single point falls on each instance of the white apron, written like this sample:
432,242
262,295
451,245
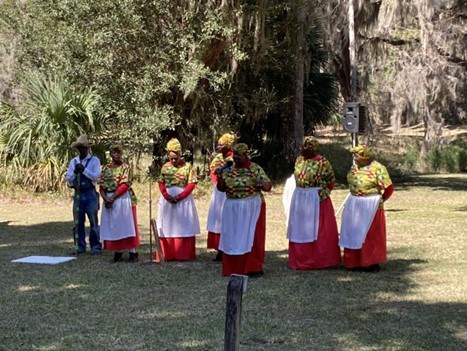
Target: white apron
304,216
178,220
239,218
289,188
117,222
214,223
356,220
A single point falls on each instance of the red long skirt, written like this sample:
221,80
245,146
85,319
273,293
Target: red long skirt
178,249
325,251
373,250
126,243
213,240
253,260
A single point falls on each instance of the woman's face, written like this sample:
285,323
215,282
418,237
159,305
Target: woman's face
174,158
360,160
223,148
307,153
116,155
240,159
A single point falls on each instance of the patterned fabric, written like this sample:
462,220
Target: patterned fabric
177,176
240,148
310,143
219,161
112,177
368,180
244,182
363,151
227,139
174,145
315,172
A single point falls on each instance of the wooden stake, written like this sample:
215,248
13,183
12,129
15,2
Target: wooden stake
233,313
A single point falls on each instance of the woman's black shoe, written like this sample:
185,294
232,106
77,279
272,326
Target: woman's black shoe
118,257
133,257
374,268
256,274
218,257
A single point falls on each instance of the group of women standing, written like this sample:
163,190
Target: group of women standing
236,221
314,240
237,215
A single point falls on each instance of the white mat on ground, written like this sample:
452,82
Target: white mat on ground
43,259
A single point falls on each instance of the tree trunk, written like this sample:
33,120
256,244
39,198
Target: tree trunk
296,125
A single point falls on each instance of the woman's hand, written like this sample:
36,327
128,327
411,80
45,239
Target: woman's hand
173,199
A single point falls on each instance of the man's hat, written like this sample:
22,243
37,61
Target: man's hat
81,141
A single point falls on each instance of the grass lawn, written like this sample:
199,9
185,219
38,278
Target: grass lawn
417,302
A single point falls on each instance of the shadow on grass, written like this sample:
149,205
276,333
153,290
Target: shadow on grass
451,182
181,305
371,311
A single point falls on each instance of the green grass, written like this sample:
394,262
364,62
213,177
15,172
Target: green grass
417,302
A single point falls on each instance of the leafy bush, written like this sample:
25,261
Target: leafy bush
411,157
450,158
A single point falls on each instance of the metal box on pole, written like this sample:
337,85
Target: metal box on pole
354,117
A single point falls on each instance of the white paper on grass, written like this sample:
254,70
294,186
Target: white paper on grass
43,259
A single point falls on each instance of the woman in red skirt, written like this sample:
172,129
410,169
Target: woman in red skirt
244,215
177,219
119,225
312,227
214,222
363,229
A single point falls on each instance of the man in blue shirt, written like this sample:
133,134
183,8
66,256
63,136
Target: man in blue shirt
82,175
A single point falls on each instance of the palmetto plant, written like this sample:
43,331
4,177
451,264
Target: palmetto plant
36,137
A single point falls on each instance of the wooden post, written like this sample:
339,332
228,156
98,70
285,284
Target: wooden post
233,313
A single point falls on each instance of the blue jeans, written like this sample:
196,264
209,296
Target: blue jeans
88,205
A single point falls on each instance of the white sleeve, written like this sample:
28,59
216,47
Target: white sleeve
70,173
93,170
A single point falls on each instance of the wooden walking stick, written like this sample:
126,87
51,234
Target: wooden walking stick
151,252
156,239
153,230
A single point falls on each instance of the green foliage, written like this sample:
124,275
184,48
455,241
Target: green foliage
412,156
450,158
320,96
36,138
262,99
144,58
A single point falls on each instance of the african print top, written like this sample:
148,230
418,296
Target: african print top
315,172
244,182
368,180
112,177
177,176
218,161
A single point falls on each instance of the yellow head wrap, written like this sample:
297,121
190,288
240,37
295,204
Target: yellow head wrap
227,139
310,143
174,145
241,148
363,151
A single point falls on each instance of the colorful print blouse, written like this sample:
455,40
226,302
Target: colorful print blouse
368,180
112,177
315,172
177,176
244,182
